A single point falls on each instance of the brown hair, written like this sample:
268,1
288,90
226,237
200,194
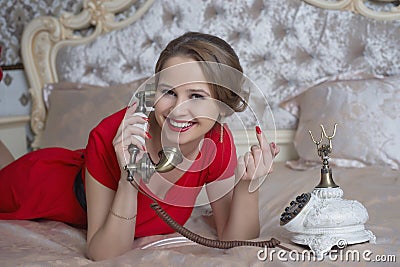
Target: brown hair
210,48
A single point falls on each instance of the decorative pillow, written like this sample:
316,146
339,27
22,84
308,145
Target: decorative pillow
368,115
75,109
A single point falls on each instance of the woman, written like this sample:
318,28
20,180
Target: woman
190,99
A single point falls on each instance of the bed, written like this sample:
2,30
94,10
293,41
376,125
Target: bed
317,62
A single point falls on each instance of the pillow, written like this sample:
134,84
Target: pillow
368,115
75,109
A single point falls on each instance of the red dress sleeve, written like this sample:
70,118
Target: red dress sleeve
102,164
100,157
225,161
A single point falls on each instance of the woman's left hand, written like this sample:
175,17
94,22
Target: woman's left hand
257,162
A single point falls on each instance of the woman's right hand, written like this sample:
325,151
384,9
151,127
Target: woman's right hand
129,132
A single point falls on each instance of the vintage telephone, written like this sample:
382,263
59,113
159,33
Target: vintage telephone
169,158
322,219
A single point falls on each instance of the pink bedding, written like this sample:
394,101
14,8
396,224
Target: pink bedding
48,243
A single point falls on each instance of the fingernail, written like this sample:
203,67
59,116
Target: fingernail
144,148
273,145
148,135
258,129
146,119
132,104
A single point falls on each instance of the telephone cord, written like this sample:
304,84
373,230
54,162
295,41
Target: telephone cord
200,239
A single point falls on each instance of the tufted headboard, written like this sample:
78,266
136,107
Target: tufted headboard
284,47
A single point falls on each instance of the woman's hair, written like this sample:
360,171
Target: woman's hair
210,48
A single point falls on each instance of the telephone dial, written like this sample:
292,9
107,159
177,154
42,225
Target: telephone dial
322,219
295,207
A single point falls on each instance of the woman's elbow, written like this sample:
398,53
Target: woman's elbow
95,255
91,255
254,234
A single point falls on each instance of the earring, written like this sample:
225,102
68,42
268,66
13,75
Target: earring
221,134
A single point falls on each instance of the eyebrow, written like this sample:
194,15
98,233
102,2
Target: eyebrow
199,91
191,90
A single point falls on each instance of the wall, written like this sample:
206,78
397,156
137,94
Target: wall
14,97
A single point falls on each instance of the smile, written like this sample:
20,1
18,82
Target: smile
179,126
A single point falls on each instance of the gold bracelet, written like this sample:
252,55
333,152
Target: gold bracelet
121,217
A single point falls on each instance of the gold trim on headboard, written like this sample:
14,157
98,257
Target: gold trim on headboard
44,36
358,6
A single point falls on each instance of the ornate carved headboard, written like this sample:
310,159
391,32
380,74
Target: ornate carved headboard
45,36
284,46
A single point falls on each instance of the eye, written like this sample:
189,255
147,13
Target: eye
168,92
197,96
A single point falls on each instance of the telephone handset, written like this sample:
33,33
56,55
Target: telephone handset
169,158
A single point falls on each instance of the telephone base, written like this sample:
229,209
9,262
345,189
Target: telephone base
321,244
326,220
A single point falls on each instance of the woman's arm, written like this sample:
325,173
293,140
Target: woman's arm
112,214
237,213
108,235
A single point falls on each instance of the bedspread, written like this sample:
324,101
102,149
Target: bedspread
49,243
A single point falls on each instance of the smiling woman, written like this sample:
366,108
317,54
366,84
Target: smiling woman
208,48
184,103
186,112
198,81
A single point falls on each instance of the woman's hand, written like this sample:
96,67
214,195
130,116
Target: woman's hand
130,132
257,163
237,215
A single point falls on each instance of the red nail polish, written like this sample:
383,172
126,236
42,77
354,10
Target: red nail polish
146,119
258,129
148,135
132,104
273,145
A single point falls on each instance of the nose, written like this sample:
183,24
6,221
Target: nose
181,107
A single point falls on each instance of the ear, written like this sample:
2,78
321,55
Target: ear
226,110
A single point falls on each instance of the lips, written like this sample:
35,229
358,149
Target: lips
179,126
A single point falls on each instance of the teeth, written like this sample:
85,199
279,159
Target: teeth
180,124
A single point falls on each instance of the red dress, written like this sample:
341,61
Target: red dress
40,184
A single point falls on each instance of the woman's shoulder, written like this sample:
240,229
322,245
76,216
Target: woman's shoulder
101,161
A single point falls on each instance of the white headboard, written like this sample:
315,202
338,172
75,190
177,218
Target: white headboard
284,47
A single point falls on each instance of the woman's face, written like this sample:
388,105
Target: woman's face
184,107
